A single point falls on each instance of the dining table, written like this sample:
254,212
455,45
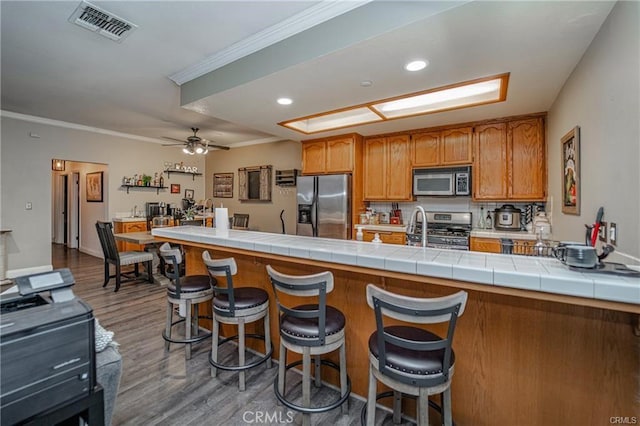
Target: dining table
151,244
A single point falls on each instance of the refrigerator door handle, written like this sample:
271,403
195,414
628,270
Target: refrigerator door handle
314,209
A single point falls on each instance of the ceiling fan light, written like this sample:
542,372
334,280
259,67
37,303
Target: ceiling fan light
205,151
199,150
185,150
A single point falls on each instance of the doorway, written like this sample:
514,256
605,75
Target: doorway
66,209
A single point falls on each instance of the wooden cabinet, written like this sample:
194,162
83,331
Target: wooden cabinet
326,156
388,237
442,148
122,227
494,245
387,168
509,161
487,245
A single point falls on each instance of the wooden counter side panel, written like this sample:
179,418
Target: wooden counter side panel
519,361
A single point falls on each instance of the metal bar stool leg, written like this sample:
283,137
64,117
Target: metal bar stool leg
187,328
446,407
397,407
371,398
241,355
215,333
316,369
306,384
423,407
267,338
343,377
167,343
282,369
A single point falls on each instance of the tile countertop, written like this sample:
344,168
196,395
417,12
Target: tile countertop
523,272
492,233
129,219
382,227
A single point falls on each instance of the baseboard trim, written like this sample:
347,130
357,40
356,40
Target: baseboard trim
13,273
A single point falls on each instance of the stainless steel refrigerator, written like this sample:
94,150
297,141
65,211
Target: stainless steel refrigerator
324,206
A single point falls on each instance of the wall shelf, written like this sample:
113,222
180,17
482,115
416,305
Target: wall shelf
286,177
182,172
157,188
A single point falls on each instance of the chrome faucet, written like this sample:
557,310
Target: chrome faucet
135,211
417,238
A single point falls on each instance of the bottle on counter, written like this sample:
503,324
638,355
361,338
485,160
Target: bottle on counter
488,223
359,234
376,238
481,222
161,180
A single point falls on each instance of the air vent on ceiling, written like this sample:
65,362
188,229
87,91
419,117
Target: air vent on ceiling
99,20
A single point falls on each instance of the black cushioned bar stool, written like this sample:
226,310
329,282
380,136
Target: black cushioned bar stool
239,306
312,330
184,292
408,359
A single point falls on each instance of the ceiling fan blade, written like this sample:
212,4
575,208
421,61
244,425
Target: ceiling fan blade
174,139
172,144
225,148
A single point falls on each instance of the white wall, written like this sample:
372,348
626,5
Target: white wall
25,174
602,96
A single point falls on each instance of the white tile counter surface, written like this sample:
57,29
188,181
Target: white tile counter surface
530,273
382,227
492,233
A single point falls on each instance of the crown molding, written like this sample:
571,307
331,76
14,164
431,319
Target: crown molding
308,18
75,126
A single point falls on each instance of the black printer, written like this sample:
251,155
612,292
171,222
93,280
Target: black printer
47,346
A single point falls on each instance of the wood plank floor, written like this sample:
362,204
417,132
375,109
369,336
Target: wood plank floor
162,388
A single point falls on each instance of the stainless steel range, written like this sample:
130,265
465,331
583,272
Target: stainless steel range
448,230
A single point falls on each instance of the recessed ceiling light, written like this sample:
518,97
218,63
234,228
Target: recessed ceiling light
416,65
285,101
366,83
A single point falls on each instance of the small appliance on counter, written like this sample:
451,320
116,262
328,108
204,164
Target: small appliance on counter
507,218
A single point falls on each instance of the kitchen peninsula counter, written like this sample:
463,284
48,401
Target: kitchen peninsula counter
537,344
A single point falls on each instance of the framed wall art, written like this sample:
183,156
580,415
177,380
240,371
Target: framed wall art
188,194
94,187
175,188
223,185
571,172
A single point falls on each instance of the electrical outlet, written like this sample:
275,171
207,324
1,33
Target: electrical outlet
613,233
602,234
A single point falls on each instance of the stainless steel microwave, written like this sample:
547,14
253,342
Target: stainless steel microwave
447,182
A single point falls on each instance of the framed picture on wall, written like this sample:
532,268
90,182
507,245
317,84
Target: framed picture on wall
571,172
223,185
94,187
175,188
188,194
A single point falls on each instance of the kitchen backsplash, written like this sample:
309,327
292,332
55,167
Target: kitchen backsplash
452,204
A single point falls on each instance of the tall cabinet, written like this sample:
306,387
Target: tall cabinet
509,161
387,168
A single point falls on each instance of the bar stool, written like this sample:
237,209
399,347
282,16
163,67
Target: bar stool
239,306
311,330
408,359
184,292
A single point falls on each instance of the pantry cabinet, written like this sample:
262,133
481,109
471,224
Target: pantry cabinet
509,161
328,156
387,168
442,148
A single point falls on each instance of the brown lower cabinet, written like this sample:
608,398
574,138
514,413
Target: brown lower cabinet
494,245
125,227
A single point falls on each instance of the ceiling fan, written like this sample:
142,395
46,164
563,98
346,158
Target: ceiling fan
195,144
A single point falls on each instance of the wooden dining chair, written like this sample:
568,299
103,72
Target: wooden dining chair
119,259
240,221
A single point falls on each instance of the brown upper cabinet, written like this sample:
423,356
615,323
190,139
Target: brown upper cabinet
387,168
326,156
509,161
442,148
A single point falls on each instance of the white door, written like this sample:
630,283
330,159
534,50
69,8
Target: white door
74,211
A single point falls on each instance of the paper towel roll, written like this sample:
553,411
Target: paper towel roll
222,218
